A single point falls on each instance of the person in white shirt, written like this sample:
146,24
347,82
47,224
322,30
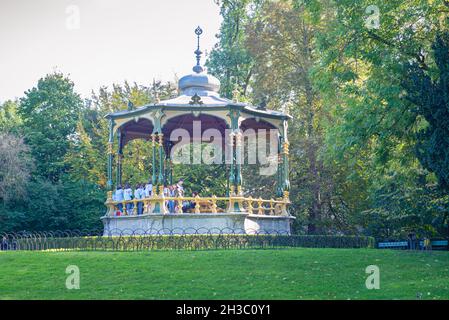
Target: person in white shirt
118,197
128,196
180,188
139,193
180,192
148,189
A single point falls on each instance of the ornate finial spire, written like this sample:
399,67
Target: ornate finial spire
155,92
198,68
235,94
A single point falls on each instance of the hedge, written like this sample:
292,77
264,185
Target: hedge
189,242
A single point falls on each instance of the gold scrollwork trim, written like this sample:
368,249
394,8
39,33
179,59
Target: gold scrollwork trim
286,147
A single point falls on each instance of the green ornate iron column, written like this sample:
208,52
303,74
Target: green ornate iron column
153,163
227,182
235,175
285,159
158,137
157,207
280,175
168,167
118,178
161,163
237,151
234,116
171,171
231,179
110,154
238,158
285,153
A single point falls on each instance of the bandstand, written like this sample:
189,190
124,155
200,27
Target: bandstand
230,212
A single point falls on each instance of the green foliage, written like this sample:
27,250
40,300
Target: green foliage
87,155
431,96
65,205
49,113
230,60
84,204
372,128
403,202
10,121
207,180
47,116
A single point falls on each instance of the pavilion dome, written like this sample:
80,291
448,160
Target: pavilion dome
200,83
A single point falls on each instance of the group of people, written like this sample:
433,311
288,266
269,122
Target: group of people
142,191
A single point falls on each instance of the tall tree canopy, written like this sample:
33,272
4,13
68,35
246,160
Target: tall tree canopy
230,60
374,127
49,113
431,96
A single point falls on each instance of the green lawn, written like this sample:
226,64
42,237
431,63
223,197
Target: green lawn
246,274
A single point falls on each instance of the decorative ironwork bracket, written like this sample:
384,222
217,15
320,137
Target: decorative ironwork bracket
196,100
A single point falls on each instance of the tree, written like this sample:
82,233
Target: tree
49,112
15,167
10,121
281,41
230,60
373,127
429,92
431,96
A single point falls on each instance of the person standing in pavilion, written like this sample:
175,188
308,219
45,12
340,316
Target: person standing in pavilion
171,203
180,193
180,188
118,197
148,189
139,194
128,196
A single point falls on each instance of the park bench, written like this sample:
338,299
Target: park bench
439,244
393,245
435,245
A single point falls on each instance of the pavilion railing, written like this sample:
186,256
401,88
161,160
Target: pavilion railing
159,204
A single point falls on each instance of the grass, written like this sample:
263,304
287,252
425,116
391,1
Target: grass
296,273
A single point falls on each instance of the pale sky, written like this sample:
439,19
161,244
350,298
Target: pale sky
112,41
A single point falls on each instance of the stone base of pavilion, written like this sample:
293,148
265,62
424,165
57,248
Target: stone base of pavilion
203,223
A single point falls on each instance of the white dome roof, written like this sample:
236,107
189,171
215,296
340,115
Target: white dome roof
201,83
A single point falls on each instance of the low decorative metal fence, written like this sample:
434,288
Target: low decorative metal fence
127,240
